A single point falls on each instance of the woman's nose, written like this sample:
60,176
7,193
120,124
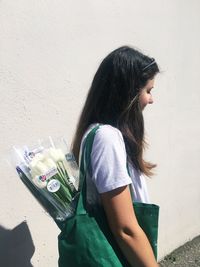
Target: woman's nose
151,100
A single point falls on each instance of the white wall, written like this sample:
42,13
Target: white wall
49,51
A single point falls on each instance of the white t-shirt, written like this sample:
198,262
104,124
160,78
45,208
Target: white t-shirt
109,166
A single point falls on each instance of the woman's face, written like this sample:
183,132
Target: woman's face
145,96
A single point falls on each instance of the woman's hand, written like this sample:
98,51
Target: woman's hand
125,228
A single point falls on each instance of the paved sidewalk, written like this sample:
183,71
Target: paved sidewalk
187,255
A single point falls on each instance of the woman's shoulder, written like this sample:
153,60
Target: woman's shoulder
106,136
107,131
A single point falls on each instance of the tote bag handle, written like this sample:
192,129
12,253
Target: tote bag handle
84,167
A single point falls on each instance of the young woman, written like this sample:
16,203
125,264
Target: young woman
120,90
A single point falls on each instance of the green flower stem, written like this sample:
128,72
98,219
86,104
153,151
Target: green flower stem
69,183
60,172
65,171
66,179
57,198
65,192
63,195
60,178
60,201
62,168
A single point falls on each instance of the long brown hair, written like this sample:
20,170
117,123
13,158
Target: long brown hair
113,99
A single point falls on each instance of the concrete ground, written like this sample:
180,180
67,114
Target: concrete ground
187,255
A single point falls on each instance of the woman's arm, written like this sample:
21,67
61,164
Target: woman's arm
125,228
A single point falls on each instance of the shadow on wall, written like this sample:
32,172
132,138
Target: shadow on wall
16,246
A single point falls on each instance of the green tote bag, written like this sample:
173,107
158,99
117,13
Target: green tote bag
86,240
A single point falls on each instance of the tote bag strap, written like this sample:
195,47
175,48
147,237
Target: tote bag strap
84,167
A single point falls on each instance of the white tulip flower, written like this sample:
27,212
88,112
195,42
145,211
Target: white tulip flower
56,154
50,163
39,168
36,159
61,155
33,163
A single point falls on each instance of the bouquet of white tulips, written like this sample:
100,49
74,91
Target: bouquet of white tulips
52,176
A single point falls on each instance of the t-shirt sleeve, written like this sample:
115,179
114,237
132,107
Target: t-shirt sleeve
108,160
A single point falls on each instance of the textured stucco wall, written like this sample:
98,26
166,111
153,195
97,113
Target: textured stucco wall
49,51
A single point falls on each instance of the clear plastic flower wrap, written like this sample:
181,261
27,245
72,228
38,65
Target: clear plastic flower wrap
50,172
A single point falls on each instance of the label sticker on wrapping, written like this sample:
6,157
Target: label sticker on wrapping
51,172
53,186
